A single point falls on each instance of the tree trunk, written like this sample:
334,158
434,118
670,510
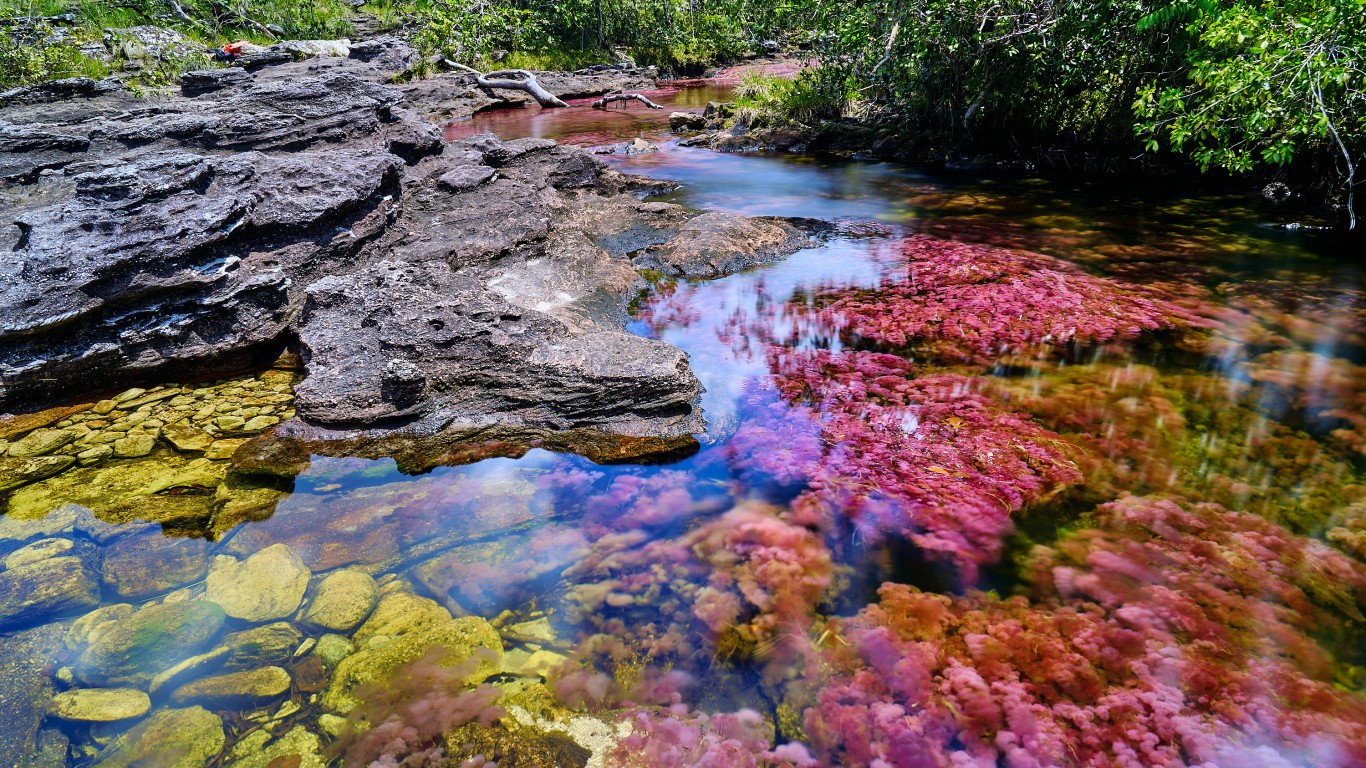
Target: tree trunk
524,82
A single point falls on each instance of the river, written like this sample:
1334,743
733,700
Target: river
1000,471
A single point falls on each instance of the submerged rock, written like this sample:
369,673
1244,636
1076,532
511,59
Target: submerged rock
24,684
268,585
167,490
453,641
235,689
132,650
297,748
187,438
260,646
331,649
46,589
151,564
100,705
88,628
171,738
343,600
38,550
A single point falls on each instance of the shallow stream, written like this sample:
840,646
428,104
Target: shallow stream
998,472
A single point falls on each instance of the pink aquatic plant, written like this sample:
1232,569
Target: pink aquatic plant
888,456
961,302
679,738
1172,634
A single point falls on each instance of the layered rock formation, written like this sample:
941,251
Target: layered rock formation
436,292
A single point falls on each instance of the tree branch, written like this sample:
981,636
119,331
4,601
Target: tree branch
524,82
610,98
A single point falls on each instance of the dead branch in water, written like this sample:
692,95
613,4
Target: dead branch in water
524,82
605,100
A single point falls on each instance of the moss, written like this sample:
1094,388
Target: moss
524,747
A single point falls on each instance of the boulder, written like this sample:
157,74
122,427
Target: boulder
47,589
343,600
687,121
133,650
312,48
170,738
134,446
331,649
400,613
150,45
100,705
234,690
268,585
404,340
410,136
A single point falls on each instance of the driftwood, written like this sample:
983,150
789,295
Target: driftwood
605,100
524,82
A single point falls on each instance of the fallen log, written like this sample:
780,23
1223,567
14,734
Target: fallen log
605,100
524,82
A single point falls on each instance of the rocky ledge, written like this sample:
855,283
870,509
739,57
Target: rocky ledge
436,291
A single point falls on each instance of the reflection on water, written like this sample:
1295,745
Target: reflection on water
1002,473
581,124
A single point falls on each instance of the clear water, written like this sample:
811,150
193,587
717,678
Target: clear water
1153,630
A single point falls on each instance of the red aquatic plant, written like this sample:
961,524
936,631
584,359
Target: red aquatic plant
746,580
1171,634
888,456
961,302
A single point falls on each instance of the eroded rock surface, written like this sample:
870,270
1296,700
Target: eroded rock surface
438,293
